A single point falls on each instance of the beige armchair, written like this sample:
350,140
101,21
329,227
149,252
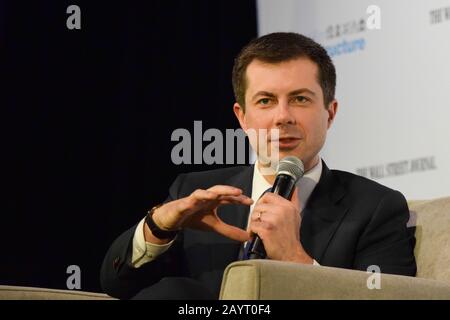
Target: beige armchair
30,293
264,279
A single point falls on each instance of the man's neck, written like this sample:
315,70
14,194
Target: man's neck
271,178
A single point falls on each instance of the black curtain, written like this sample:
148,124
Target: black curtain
87,117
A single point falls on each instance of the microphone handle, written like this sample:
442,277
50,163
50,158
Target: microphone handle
257,250
284,186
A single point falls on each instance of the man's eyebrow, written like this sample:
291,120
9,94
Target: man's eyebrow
302,90
292,93
263,93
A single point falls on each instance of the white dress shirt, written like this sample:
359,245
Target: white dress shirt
144,252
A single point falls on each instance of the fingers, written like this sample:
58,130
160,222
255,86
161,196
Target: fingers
275,214
277,200
260,210
208,200
270,197
241,199
222,194
260,228
225,190
231,232
211,222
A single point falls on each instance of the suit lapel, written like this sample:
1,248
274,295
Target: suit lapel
322,214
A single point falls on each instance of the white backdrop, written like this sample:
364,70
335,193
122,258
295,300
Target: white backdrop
393,86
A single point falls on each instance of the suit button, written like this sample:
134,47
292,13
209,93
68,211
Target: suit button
116,262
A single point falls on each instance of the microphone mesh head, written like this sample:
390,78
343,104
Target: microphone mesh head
292,166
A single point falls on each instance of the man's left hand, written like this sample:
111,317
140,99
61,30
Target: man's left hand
277,222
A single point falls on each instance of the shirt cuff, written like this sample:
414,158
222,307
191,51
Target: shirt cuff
143,251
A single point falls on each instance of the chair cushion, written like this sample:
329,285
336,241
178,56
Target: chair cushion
269,279
29,293
432,221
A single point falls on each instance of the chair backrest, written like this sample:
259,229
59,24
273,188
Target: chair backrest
432,221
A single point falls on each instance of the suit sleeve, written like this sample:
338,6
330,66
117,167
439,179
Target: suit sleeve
386,241
120,279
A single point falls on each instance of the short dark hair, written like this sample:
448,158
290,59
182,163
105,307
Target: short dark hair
279,47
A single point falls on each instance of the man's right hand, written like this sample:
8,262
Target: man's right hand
199,211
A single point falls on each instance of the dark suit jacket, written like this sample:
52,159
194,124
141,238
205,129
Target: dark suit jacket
348,222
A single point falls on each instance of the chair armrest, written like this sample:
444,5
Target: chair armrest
31,293
273,280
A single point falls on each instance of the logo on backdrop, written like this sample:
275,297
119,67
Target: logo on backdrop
353,28
440,15
398,168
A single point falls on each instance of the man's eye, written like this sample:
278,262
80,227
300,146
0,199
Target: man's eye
264,101
301,99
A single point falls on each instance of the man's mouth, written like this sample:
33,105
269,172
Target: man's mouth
287,142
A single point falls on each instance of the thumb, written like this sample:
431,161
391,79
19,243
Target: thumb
231,232
211,222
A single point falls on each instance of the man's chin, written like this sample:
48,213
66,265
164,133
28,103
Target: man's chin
287,153
272,161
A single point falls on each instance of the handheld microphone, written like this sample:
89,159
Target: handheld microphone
290,169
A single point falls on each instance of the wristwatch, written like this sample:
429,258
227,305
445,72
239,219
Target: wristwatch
157,231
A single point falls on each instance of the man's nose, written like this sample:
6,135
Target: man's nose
284,114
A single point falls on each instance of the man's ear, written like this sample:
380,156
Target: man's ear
240,115
332,110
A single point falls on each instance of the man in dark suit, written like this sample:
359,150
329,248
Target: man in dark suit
282,81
